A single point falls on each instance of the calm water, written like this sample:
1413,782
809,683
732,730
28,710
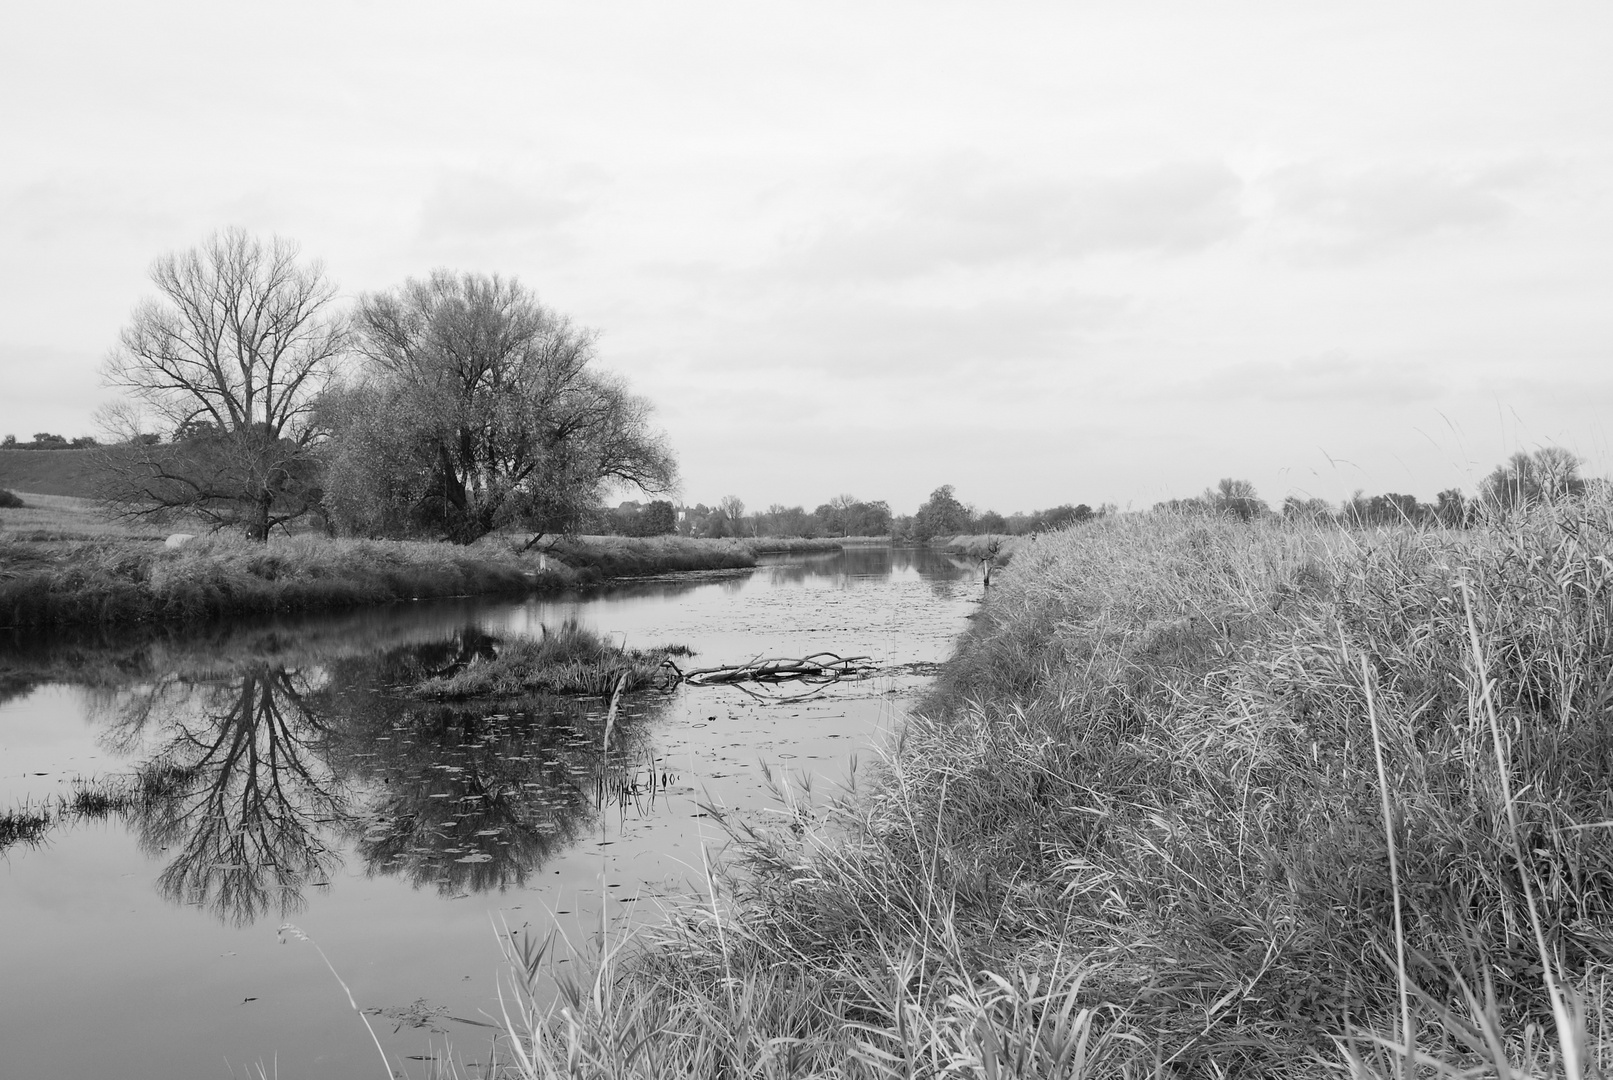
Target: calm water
293,783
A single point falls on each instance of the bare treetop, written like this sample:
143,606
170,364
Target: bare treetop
240,335
229,357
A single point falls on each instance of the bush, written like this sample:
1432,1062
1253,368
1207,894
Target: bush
10,500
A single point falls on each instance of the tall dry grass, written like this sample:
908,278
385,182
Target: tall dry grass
1143,827
599,557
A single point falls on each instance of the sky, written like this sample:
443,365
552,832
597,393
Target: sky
1045,253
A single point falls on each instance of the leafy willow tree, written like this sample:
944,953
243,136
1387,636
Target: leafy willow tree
478,407
229,357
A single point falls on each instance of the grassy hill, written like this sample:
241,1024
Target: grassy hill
48,472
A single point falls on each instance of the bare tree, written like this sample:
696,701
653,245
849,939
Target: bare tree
228,358
733,508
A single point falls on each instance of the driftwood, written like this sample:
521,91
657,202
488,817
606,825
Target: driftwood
814,672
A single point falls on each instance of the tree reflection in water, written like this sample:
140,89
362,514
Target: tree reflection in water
236,791
255,777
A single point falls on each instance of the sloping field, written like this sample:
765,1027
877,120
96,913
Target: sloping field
48,472
68,517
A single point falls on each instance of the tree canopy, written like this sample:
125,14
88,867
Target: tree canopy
230,356
1524,479
479,407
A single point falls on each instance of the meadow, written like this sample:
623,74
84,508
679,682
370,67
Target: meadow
1195,797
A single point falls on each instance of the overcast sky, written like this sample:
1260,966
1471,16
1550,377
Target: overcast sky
1043,252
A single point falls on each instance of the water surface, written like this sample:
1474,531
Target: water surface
288,780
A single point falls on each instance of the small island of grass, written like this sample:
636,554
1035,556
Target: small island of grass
569,660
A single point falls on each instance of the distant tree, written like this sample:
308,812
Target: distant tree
1525,479
479,407
846,515
781,520
1451,509
733,510
658,518
1298,509
1235,497
650,519
990,522
44,440
941,515
870,519
9,442
241,337
836,515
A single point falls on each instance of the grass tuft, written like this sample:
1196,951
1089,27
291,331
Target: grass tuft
570,659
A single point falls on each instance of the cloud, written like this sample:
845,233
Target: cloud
55,210
1331,217
49,389
1325,379
477,209
954,215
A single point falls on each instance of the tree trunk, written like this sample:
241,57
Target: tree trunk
257,524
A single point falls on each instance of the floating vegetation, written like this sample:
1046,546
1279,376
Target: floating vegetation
567,660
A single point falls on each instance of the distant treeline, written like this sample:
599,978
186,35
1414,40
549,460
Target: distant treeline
44,440
1522,480
846,515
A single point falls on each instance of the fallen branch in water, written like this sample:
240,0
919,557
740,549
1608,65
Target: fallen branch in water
816,671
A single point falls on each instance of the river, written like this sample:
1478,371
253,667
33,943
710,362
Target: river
286,782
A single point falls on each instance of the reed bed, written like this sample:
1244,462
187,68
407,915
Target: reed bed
600,557
791,545
1195,798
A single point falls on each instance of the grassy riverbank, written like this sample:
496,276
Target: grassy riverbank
598,557
1139,829
794,545
47,579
